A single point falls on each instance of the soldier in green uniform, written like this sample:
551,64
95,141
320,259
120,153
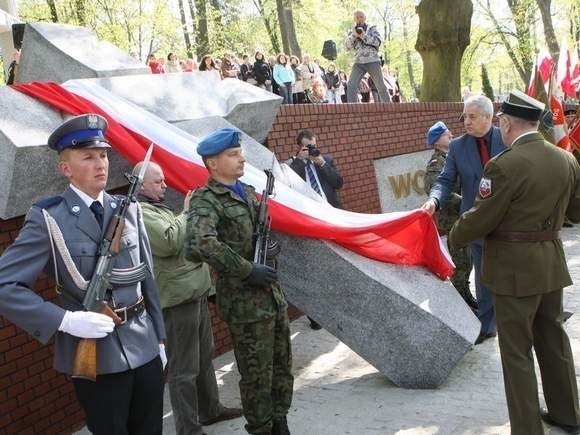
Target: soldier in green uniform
220,230
523,197
439,137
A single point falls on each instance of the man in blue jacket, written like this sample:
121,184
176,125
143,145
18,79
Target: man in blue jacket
466,159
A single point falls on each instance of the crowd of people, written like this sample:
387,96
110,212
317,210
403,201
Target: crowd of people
297,81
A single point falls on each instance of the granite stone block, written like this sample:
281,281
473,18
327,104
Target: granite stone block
403,320
60,52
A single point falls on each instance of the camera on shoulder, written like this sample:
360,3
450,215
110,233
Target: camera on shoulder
312,150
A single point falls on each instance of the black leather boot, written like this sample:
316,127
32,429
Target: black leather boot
280,426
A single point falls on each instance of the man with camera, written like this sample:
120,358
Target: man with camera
319,172
365,40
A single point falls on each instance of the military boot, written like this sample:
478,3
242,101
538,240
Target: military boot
469,299
280,426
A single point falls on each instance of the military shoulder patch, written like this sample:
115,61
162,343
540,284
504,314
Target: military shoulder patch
485,190
49,202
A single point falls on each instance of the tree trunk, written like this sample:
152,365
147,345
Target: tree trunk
81,12
270,27
193,20
53,13
184,29
441,46
287,29
508,47
202,36
408,56
523,13
549,33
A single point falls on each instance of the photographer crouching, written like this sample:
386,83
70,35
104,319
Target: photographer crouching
365,40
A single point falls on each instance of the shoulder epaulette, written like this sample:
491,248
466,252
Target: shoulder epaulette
501,154
49,202
119,197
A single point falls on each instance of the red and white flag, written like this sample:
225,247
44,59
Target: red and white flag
408,238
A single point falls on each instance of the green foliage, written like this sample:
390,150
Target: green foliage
141,26
486,84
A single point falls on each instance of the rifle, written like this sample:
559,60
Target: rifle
104,276
264,247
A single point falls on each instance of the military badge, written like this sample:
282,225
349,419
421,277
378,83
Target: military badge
92,122
485,187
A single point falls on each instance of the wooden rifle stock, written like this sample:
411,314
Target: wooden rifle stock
85,363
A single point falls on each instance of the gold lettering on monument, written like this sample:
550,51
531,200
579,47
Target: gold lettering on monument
403,183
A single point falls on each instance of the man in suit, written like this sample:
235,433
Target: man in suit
522,199
127,396
320,172
468,154
183,289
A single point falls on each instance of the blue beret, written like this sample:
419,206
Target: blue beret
214,143
435,132
84,131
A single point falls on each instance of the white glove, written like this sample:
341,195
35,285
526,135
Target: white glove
162,355
86,324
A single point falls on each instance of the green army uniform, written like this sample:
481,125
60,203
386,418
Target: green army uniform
523,197
446,216
220,232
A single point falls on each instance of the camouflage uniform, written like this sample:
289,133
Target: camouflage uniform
220,232
447,214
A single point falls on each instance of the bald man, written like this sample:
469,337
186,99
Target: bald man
183,289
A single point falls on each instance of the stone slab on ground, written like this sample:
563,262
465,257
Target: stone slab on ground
403,320
61,52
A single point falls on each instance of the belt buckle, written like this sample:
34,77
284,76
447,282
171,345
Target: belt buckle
124,311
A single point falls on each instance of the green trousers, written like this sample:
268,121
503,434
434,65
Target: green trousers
536,321
264,358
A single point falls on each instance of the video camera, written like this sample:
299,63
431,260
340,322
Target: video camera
312,150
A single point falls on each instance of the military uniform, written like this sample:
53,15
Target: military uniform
523,197
446,216
220,232
127,396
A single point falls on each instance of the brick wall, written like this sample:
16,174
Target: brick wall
357,134
35,399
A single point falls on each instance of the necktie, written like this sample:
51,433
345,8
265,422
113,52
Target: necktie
98,211
312,179
483,150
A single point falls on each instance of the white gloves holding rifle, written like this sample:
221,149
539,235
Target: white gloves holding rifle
86,324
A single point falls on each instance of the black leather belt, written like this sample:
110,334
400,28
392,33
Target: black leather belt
126,313
524,236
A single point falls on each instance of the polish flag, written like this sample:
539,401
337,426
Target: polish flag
568,73
406,238
561,138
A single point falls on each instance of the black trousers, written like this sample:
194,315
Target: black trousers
126,403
